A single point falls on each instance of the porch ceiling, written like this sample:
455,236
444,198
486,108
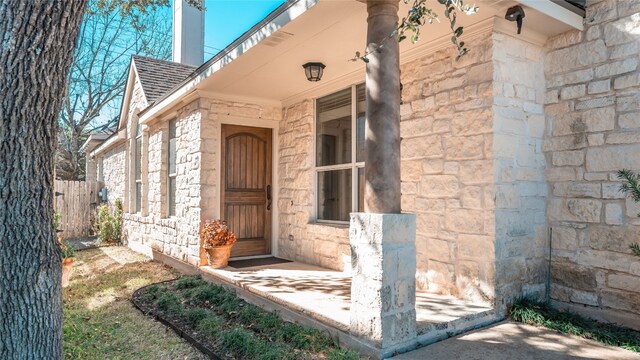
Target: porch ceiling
331,32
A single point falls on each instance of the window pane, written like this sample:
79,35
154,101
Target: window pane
172,196
361,183
360,117
172,128
333,129
172,156
138,196
334,195
139,158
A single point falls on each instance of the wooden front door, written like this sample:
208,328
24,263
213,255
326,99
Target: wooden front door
246,200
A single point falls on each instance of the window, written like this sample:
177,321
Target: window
340,174
171,171
138,170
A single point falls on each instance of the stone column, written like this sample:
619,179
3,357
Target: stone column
383,252
383,285
382,144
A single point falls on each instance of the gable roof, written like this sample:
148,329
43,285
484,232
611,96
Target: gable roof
157,77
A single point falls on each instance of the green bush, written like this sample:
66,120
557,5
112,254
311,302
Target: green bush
189,282
56,222
109,225
631,187
170,303
542,314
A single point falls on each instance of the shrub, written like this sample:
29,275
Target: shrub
109,225
188,282
67,251
56,221
631,187
169,302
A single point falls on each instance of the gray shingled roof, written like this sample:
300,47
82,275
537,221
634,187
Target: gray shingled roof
159,76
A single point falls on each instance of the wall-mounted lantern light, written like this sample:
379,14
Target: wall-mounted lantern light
515,13
313,70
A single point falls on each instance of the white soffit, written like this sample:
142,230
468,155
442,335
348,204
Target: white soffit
294,10
555,11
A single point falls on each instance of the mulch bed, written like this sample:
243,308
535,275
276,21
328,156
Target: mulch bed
224,326
176,324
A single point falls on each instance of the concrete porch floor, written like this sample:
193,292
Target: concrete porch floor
325,295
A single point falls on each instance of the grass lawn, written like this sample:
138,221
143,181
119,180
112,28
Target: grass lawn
100,321
233,328
541,314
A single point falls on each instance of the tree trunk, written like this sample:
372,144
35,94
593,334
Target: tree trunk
382,144
37,39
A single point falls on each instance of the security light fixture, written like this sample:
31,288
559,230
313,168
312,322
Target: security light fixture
313,70
515,13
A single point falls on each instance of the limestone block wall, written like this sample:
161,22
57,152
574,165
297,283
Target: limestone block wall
519,199
113,172
300,238
447,169
197,178
175,236
593,129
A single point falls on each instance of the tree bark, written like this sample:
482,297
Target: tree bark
382,144
37,39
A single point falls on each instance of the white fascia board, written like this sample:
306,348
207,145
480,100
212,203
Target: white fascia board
555,11
93,137
113,140
294,10
127,95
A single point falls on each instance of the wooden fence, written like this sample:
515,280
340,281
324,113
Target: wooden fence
76,201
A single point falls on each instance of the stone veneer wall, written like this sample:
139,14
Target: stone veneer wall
300,238
593,129
521,240
152,229
112,173
446,129
198,134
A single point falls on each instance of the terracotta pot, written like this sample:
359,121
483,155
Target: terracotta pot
67,267
218,257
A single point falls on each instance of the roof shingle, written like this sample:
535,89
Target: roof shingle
158,77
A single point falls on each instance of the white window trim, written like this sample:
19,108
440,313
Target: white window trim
353,165
171,175
137,161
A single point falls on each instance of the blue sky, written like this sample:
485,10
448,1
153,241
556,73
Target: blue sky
226,20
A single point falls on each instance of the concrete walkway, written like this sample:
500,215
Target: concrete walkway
514,341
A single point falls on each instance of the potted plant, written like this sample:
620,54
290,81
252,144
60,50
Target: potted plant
217,240
68,258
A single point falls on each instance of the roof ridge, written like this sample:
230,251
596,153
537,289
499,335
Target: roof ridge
134,56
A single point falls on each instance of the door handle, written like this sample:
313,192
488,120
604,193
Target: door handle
268,197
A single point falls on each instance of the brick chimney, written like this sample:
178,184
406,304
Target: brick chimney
188,34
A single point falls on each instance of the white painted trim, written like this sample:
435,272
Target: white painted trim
274,125
326,88
418,51
556,12
212,95
295,10
127,94
352,166
98,136
114,140
531,36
